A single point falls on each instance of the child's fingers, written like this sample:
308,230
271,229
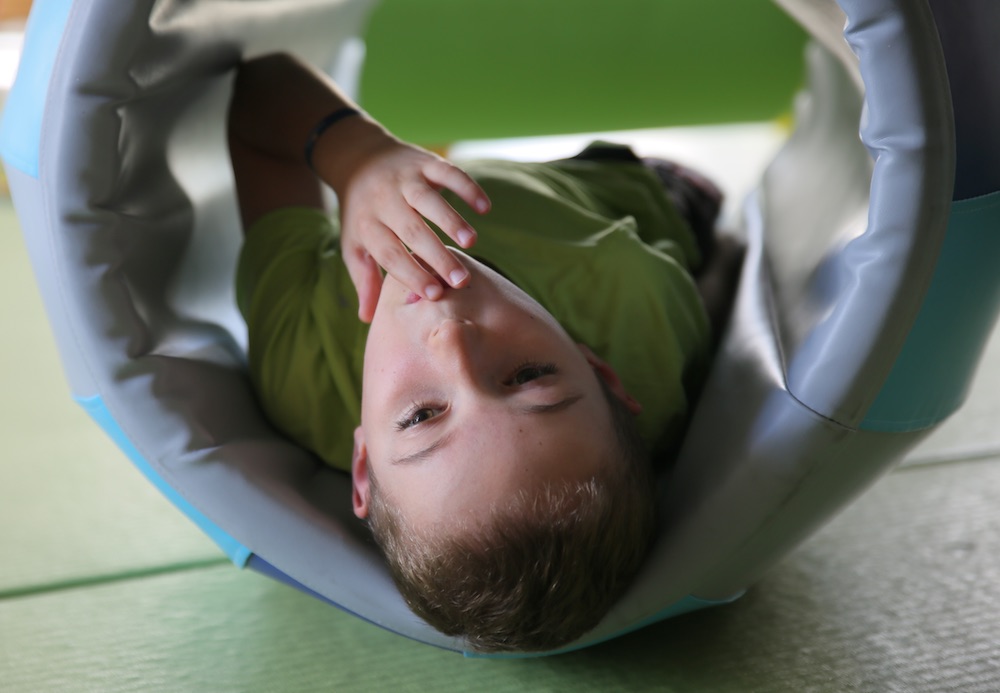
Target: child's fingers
410,227
429,203
447,175
386,247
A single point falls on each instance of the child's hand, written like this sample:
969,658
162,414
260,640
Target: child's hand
386,187
383,204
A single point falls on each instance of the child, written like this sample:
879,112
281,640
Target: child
503,465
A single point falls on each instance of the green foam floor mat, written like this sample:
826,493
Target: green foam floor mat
72,507
895,595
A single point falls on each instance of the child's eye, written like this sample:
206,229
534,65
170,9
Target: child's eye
527,372
415,416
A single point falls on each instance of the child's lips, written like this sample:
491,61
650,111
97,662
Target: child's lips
412,297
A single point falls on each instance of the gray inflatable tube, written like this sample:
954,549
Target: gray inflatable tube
866,297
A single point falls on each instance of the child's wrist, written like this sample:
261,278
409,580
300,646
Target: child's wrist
342,148
322,126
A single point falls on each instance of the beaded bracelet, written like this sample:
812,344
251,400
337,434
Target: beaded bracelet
322,126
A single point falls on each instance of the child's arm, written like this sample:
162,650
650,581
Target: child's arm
385,187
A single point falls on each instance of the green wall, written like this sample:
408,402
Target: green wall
443,70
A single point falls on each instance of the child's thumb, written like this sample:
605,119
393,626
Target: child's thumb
367,279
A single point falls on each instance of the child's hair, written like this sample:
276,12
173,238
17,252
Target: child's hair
544,569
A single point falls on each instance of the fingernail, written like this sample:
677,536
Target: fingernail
465,237
457,277
482,205
433,291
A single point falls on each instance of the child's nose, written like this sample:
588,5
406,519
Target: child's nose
456,340
452,333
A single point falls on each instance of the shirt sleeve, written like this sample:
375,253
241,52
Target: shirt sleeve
305,340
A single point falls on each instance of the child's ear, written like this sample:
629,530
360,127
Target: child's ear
359,475
606,373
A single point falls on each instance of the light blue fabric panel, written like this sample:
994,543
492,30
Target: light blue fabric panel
932,374
682,606
21,127
98,411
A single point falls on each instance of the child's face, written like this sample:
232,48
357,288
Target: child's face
472,397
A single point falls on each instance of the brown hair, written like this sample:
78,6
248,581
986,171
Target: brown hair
544,568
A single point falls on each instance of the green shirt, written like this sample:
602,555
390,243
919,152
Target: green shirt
597,244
